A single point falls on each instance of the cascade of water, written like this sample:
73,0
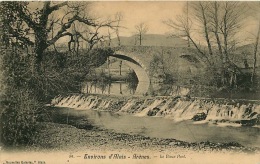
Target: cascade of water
256,108
141,105
233,112
175,108
107,104
153,105
176,111
241,111
164,110
128,105
74,103
78,103
213,112
93,103
102,105
69,101
64,100
188,112
86,102
56,100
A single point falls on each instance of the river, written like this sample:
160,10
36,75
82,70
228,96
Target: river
159,127
132,88
158,89
172,117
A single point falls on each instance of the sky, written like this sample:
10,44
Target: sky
151,13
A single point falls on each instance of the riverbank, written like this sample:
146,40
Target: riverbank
71,130
62,137
62,143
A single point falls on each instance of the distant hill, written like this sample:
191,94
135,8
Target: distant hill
179,48
152,40
245,52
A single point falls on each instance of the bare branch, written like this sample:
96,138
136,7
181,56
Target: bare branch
141,29
26,16
58,6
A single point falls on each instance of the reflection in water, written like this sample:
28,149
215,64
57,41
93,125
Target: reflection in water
158,89
115,88
134,88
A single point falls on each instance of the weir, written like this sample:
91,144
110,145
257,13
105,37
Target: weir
175,108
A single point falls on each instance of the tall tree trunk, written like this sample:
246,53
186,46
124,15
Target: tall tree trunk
140,39
118,37
255,53
40,46
205,24
216,30
109,38
202,55
187,21
225,36
52,35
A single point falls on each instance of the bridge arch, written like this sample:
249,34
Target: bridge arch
139,68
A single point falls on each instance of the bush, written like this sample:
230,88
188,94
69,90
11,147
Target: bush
18,118
26,91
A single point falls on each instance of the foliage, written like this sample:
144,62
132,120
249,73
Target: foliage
42,27
132,81
26,91
18,102
65,72
131,77
18,119
32,78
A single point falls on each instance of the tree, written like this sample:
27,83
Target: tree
255,53
200,10
183,27
92,37
37,25
141,29
231,18
26,90
256,14
118,18
219,23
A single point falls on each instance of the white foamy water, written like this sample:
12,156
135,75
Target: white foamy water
177,109
150,107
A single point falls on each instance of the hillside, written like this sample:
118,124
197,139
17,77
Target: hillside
152,40
246,52
158,40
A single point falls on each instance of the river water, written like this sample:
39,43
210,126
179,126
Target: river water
158,89
139,88
131,117
160,127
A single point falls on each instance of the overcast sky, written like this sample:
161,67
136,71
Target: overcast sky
151,13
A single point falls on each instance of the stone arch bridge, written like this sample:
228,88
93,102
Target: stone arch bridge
139,59
139,65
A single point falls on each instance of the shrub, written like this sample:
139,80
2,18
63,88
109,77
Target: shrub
18,118
25,91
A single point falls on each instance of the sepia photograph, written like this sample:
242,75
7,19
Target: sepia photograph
153,82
